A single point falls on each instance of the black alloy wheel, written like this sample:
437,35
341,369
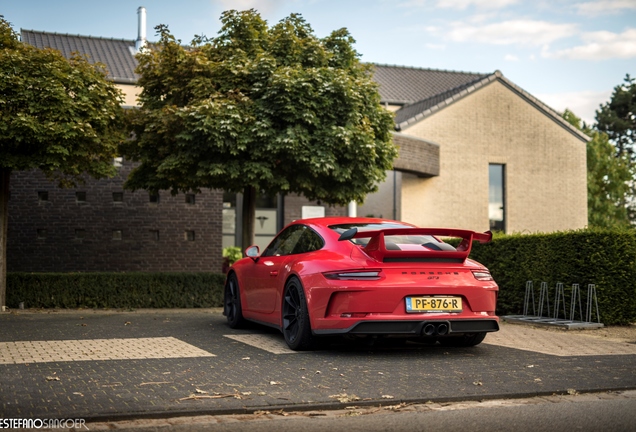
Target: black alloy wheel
232,303
296,325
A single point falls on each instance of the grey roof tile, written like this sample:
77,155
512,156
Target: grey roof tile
406,85
116,54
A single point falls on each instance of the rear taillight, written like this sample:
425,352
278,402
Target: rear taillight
482,275
354,275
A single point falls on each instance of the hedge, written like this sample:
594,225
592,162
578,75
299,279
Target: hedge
115,290
601,257
604,258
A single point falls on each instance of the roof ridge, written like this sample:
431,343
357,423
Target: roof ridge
463,90
77,35
428,69
445,98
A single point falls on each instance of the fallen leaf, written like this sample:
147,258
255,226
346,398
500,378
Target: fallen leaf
216,396
127,323
537,380
261,393
200,391
387,397
318,372
345,398
530,366
275,383
245,358
572,392
477,383
78,393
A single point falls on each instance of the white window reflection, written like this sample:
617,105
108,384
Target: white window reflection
496,193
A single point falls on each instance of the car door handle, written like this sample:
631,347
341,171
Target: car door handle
273,273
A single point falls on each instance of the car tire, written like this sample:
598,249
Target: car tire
467,340
295,317
232,303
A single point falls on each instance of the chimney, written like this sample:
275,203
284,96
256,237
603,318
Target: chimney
141,33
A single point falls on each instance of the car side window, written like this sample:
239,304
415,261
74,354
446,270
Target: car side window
309,241
295,239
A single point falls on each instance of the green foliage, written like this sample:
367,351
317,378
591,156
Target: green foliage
271,108
617,118
602,257
608,179
61,116
232,253
115,290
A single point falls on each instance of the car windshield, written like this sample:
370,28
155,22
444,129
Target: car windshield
395,242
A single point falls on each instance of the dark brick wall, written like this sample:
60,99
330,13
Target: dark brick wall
60,251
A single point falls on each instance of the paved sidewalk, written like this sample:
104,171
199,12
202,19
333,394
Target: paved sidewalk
107,365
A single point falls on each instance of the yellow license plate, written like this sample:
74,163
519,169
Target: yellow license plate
433,304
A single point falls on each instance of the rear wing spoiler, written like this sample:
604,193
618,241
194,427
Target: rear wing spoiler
376,247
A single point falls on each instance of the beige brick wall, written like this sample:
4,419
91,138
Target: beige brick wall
546,187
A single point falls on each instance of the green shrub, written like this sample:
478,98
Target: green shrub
232,253
601,257
115,290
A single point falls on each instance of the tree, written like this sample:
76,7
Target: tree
57,115
617,118
608,179
258,108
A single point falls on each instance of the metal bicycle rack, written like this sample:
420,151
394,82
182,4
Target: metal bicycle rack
554,318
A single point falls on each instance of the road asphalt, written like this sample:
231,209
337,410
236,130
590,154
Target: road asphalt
122,365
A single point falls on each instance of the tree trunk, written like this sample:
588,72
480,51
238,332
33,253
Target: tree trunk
248,216
5,174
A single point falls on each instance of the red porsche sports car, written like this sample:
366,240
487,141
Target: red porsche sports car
364,277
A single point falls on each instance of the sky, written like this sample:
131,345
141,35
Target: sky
568,53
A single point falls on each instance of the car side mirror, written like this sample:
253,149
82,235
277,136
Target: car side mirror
253,252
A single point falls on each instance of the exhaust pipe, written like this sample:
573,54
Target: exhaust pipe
442,329
431,329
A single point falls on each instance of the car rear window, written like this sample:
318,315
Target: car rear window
394,242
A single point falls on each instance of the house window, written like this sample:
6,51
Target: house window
117,234
189,199
43,196
118,197
154,198
118,162
80,197
188,235
496,197
154,235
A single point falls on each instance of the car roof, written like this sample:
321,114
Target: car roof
346,220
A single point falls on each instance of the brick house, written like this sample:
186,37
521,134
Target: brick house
474,151
478,152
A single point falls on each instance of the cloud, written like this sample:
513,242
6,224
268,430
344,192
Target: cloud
514,32
480,4
458,4
601,45
584,103
510,57
262,6
604,7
